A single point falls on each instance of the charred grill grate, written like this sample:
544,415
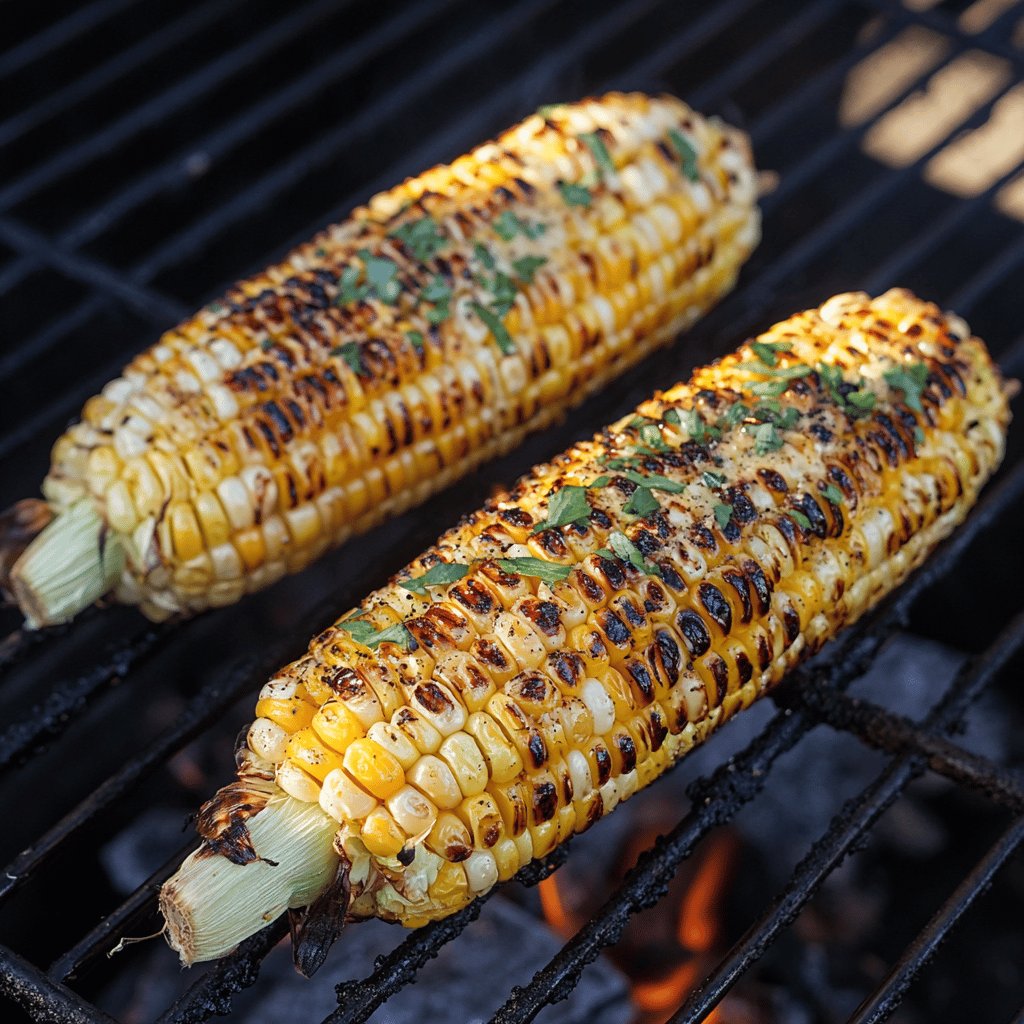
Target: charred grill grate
151,149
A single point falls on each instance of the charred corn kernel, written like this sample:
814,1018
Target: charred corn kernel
682,620
336,726
484,819
343,799
366,423
450,838
503,760
305,749
460,752
267,739
414,813
377,771
381,834
432,777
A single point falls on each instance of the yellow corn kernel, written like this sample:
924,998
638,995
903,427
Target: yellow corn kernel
291,713
377,771
503,761
462,755
434,779
395,742
449,838
506,857
381,835
484,819
305,749
337,726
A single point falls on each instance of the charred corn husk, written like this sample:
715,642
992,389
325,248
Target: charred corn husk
559,649
393,353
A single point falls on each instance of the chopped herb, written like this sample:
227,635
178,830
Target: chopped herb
574,195
723,515
215,307
364,633
833,494
527,266
415,339
567,505
768,351
782,372
549,572
435,576
601,481
382,276
771,411
736,413
594,142
863,399
508,225
856,402
266,344
713,479
349,288
918,436
423,238
655,482
672,416
767,439
798,517
650,434
503,288
687,154
437,290
911,380
693,423
629,552
484,255
548,109
498,330
766,388
642,503
352,354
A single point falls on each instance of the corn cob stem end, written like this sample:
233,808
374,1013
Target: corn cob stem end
73,562
212,904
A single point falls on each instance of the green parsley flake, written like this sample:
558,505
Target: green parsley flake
508,225
364,633
352,354
504,290
672,416
548,109
863,399
766,388
687,154
857,402
650,435
642,503
435,576
713,479
767,439
782,372
768,351
736,413
723,515
601,481
549,572
622,546
349,288
266,344
911,380
498,330
655,482
574,195
484,255
423,238
699,431
798,517
527,266
918,436
594,142
415,338
382,276
833,494
566,506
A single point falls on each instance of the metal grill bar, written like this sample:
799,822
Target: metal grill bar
896,734
122,63
44,999
169,101
884,1002
847,828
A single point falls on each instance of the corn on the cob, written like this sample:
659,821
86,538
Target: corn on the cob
559,649
391,354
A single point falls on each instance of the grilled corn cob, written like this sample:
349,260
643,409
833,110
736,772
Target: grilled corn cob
391,354
559,649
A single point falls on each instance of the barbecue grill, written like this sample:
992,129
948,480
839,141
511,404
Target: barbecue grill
154,153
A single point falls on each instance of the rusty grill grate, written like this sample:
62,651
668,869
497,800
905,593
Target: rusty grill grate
153,153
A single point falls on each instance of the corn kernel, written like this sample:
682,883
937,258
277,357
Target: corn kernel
432,777
381,835
343,799
374,768
335,724
463,756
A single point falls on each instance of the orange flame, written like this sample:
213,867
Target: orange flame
554,909
699,922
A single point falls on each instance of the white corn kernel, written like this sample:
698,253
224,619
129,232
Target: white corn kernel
343,799
267,739
414,813
600,704
481,871
295,782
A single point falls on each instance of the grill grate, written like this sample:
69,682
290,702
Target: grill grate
245,128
